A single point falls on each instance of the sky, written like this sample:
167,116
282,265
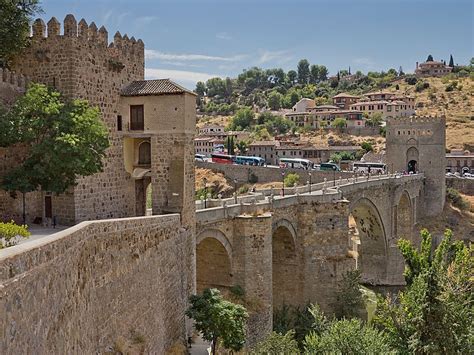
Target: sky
194,40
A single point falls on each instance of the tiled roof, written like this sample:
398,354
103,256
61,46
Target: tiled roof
343,94
262,143
153,87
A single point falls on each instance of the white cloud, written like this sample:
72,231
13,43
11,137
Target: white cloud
224,36
153,54
181,76
266,56
145,20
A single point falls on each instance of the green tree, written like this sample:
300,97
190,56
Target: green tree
218,319
292,75
15,17
375,119
274,100
339,123
323,73
277,343
314,74
230,145
63,140
451,61
242,146
242,119
349,301
434,314
347,337
200,88
291,179
303,71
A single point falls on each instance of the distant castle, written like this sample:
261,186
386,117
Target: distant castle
151,124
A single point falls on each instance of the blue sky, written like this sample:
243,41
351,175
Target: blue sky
191,40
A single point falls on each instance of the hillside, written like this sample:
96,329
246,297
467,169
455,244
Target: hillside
457,105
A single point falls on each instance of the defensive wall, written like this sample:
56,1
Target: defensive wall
98,284
242,173
465,186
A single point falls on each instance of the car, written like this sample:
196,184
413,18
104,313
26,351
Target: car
468,175
451,175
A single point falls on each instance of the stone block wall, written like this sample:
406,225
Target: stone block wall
81,63
264,174
89,288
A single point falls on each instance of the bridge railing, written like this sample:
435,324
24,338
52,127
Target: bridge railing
266,200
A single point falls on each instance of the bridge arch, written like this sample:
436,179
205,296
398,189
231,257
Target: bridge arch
213,261
285,270
371,233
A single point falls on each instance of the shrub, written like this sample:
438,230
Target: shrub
453,196
253,179
451,86
277,343
349,302
411,80
420,86
367,146
10,232
291,179
299,319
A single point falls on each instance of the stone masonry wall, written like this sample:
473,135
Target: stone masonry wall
81,63
98,284
265,174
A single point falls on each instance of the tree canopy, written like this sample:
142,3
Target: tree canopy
434,314
62,140
218,319
15,26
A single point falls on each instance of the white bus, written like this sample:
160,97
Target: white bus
372,168
295,163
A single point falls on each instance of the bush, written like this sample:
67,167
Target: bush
411,80
367,146
420,86
299,319
291,179
253,179
349,301
10,232
451,86
453,196
347,337
277,343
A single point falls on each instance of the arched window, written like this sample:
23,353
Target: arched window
144,153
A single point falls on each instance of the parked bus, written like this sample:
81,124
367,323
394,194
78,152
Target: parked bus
295,163
245,160
222,158
329,167
373,168
200,157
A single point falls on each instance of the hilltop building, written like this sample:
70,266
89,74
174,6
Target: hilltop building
432,68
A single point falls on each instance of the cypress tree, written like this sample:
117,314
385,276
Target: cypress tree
451,61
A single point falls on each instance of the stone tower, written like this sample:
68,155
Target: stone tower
81,63
418,144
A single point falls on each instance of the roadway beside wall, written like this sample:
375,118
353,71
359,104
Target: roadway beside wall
243,173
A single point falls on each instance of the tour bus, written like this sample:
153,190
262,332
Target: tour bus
329,167
295,163
222,158
245,160
373,168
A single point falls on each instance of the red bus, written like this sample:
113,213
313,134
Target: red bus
223,158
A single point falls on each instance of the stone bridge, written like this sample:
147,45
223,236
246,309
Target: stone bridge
295,249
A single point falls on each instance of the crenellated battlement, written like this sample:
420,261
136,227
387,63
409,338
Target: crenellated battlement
14,80
121,45
403,121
